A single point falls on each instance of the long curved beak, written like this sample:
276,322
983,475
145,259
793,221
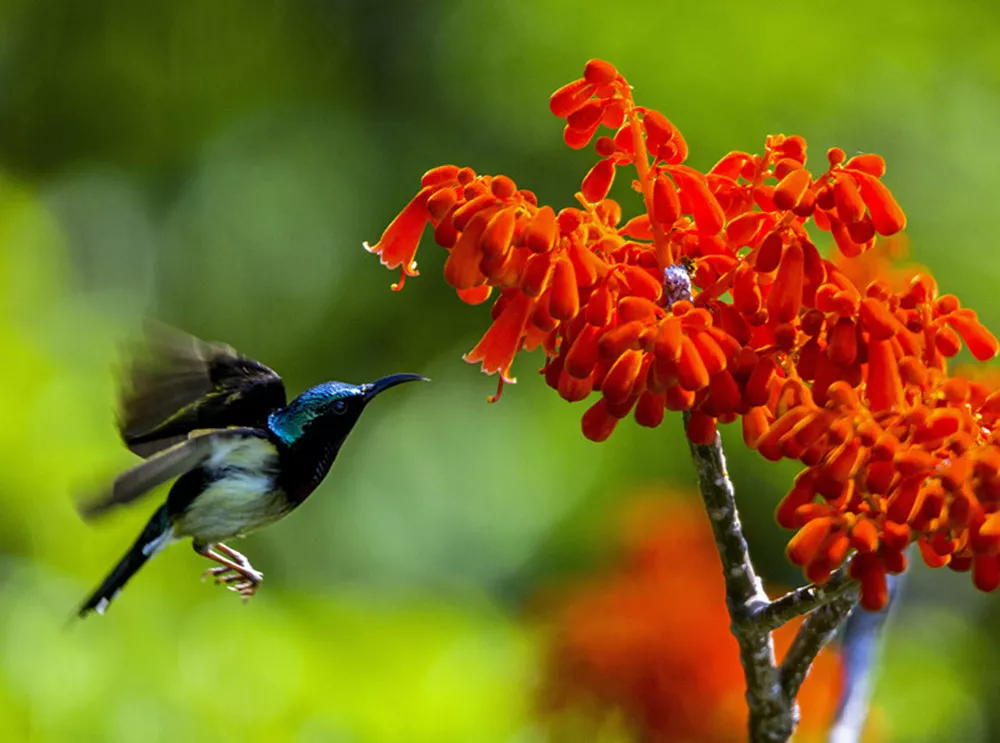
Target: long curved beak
381,385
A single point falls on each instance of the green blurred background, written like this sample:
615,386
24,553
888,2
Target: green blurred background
218,164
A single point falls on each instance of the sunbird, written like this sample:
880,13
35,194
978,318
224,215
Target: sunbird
242,456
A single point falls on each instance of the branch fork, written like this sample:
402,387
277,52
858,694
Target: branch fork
771,688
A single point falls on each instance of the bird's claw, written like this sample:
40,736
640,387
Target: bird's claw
245,581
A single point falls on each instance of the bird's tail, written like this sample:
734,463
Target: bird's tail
156,536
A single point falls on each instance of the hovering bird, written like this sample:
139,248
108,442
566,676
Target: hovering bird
242,457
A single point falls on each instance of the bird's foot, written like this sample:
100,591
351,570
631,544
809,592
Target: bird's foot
235,571
245,582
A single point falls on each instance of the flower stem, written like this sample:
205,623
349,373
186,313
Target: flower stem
663,253
773,714
804,600
818,629
771,690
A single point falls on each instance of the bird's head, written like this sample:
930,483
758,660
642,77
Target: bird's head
330,409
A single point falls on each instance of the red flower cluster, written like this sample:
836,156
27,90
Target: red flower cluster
849,378
620,644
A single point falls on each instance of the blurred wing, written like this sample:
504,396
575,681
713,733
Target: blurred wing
182,384
159,469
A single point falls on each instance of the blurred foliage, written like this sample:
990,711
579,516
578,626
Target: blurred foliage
219,164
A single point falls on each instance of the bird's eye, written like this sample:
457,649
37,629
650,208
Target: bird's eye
340,407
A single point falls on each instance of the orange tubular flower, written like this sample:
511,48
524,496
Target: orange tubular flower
839,362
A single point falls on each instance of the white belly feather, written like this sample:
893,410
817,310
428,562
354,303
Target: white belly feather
242,495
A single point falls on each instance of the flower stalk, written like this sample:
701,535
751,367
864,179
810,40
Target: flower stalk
803,600
772,715
818,629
